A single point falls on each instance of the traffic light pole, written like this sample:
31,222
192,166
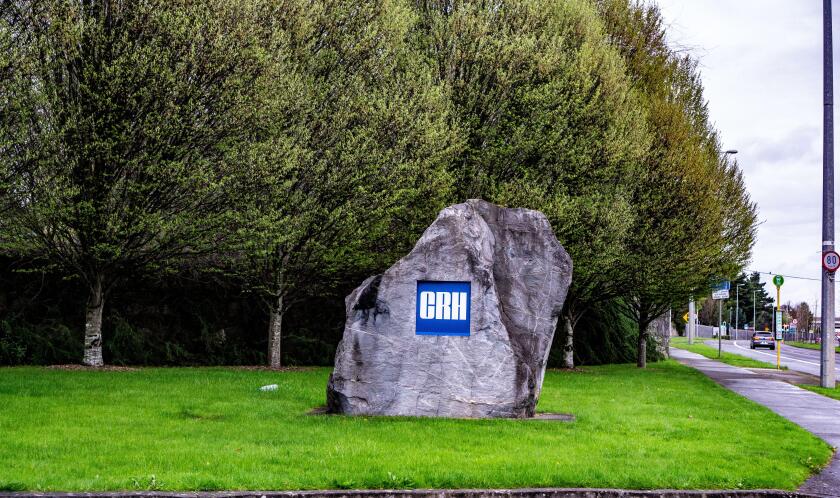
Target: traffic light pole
827,333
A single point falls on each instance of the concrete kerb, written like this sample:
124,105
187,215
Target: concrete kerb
433,493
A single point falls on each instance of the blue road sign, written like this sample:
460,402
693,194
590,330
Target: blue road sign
721,290
722,285
443,308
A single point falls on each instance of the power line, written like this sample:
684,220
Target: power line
786,276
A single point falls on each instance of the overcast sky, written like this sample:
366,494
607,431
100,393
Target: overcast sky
761,63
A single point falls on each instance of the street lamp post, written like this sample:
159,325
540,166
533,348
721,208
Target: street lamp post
754,291
724,158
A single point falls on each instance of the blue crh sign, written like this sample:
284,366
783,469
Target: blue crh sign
443,308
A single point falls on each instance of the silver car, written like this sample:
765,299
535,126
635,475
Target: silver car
762,340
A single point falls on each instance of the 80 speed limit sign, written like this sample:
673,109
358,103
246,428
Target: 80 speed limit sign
831,261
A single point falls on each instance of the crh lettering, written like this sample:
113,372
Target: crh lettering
443,308
443,305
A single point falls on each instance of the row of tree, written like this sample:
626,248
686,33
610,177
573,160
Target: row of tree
286,147
805,324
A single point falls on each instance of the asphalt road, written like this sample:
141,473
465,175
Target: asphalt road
799,359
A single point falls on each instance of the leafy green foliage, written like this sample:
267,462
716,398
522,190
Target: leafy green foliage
135,103
693,218
547,121
346,165
748,287
128,112
277,153
23,343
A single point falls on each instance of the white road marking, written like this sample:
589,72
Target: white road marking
773,355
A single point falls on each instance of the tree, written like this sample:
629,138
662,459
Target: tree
17,108
688,204
707,310
750,285
546,120
679,247
805,319
122,117
800,312
347,161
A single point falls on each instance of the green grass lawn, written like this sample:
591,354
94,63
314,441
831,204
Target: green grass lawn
712,353
211,428
807,345
831,393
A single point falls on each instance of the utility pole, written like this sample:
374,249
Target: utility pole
754,329
827,332
725,159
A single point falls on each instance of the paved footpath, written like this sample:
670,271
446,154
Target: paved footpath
816,413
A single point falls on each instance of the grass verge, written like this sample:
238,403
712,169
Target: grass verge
825,391
807,345
712,353
212,429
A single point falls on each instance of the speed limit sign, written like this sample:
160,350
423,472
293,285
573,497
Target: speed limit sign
831,261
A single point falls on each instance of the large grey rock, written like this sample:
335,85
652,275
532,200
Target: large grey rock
519,277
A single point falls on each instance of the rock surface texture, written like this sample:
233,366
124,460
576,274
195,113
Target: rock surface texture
519,275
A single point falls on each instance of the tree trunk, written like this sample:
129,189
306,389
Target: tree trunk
642,351
275,334
93,325
569,345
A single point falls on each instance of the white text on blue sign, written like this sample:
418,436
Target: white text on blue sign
443,308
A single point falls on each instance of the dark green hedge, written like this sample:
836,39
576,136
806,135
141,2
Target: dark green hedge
603,335
196,320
